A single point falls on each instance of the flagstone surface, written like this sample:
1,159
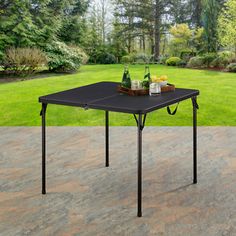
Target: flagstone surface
85,198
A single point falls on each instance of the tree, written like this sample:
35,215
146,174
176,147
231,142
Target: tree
25,23
180,11
210,17
181,38
73,23
93,43
116,41
226,25
16,25
196,9
143,20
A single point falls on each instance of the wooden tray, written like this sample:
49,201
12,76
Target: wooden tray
168,88
143,92
140,92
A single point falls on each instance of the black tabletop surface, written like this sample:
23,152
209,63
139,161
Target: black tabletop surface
104,96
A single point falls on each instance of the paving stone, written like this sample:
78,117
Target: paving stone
85,198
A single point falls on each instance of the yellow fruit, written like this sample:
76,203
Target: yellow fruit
164,78
154,78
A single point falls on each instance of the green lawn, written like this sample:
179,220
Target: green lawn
19,100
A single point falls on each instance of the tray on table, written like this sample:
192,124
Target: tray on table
143,92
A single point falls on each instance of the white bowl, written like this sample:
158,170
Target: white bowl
163,83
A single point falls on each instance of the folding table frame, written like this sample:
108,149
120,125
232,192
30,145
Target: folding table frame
70,98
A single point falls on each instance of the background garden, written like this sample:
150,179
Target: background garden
45,44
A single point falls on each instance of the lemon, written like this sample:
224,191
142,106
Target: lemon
164,78
154,78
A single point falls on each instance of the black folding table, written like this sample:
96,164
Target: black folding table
104,96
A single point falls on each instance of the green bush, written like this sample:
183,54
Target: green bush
128,59
173,61
182,64
64,58
106,58
208,58
162,59
196,62
223,59
231,67
23,61
186,55
141,58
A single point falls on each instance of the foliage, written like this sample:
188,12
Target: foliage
173,61
106,58
73,25
93,43
187,54
196,9
231,67
198,40
211,10
63,58
184,40
182,64
227,22
196,62
162,59
128,59
38,23
23,61
141,58
181,39
16,25
208,58
116,39
223,59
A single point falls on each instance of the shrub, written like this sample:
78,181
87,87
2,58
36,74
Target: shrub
196,62
127,59
23,61
83,55
223,59
173,61
106,58
64,58
186,55
162,59
142,58
182,64
208,58
231,67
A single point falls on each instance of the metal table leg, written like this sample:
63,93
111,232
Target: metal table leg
195,107
140,165
140,124
107,139
43,114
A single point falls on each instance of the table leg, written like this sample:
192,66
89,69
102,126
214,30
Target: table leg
195,142
107,139
43,113
140,165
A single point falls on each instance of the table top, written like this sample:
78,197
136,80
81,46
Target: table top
104,96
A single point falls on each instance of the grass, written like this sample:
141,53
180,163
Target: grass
19,100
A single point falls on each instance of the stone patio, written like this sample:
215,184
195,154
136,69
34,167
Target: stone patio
85,198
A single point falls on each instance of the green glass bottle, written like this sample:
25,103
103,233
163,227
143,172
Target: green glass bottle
147,78
126,80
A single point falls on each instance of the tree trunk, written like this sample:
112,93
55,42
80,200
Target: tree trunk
198,12
144,43
157,29
103,21
164,45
